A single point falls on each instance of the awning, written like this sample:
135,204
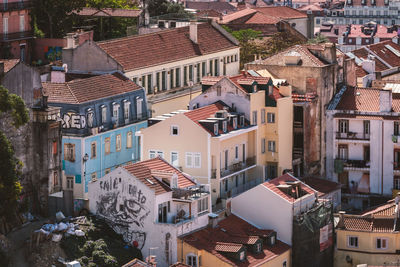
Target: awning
363,185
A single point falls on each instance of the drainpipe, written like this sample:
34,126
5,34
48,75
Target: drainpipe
382,160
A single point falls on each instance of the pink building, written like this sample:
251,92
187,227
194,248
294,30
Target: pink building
15,29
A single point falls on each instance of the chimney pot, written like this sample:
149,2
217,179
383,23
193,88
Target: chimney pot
193,31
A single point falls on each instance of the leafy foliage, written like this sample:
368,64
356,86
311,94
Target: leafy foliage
163,7
10,188
318,39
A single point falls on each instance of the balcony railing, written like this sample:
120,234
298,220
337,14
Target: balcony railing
236,167
396,166
177,220
6,37
191,193
240,188
352,136
355,163
15,6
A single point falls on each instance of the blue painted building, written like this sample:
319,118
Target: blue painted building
99,116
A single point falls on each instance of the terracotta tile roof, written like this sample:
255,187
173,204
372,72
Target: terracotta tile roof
223,236
282,12
311,7
386,54
272,185
9,64
143,171
222,7
204,113
245,239
323,186
158,48
208,13
367,224
260,18
179,264
387,209
237,15
84,90
356,3
135,263
108,12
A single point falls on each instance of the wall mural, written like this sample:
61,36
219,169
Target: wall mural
123,205
77,121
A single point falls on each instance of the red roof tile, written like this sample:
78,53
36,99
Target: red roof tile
237,15
135,263
179,264
272,185
282,12
358,3
84,90
203,113
143,171
387,209
323,186
367,224
9,64
108,12
222,7
224,238
157,48
260,18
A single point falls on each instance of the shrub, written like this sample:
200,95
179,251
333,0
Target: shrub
100,245
84,261
99,257
88,248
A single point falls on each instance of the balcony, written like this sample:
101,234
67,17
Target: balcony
352,136
234,168
354,164
15,6
15,36
191,193
240,188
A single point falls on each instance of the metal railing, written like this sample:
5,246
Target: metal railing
240,188
15,6
236,167
352,136
190,193
355,163
5,37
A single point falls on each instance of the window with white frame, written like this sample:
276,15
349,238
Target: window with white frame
93,149
352,241
202,205
263,145
118,142
175,159
381,243
127,105
234,123
129,139
263,116
115,112
396,182
174,130
343,126
103,114
107,146
156,153
236,152
254,118
70,182
193,160
191,260
216,128
271,146
242,256
271,117
224,126
139,108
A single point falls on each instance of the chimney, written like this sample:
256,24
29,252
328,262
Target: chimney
369,64
385,100
213,220
1,68
70,40
340,224
378,75
193,31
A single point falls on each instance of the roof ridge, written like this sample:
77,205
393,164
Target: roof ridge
72,93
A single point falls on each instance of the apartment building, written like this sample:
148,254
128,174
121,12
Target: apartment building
371,237
15,31
151,203
168,69
99,117
233,242
312,71
362,151
295,213
268,106
213,144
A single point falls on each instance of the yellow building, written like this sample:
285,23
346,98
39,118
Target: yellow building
371,238
265,105
233,242
213,144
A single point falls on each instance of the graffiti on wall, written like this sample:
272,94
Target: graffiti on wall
123,205
77,121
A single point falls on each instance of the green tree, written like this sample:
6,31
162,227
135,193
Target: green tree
10,187
164,7
318,39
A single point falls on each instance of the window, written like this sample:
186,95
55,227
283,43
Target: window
5,25
216,67
236,152
103,114
21,23
154,153
185,78
203,69
244,152
202,205
174,159
115,113
139,108
129,140
70,182
234,123
271,117
352,241
162,212
177,77
254,118
93,148
241,121
396,128
191,260
381,243
107,146
263,116
107,171
149,84
127,104
198,74
396,182
118,142
262,145
216,129
366,153
343,152
171,78
271,170
193,160
174,130
90,118
343,126
226,159
366,128
190,73
271,146
164,80
224,126
69,152
55,178
93,176
242,256
344,179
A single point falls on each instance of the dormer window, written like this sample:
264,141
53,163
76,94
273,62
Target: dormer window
272,240
254,88
216,128
258,247
224,126
242,256
242,121
234,123
386,2
103,114
115,112
127,105
90,117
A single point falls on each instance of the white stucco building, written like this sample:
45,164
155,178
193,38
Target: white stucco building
362,147
151,202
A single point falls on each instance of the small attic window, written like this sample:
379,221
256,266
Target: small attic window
216,128
242,256
224,126
234,123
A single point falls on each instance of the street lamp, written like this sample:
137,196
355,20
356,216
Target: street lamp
85,158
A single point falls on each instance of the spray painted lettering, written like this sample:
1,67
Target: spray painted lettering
74,121
132,190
